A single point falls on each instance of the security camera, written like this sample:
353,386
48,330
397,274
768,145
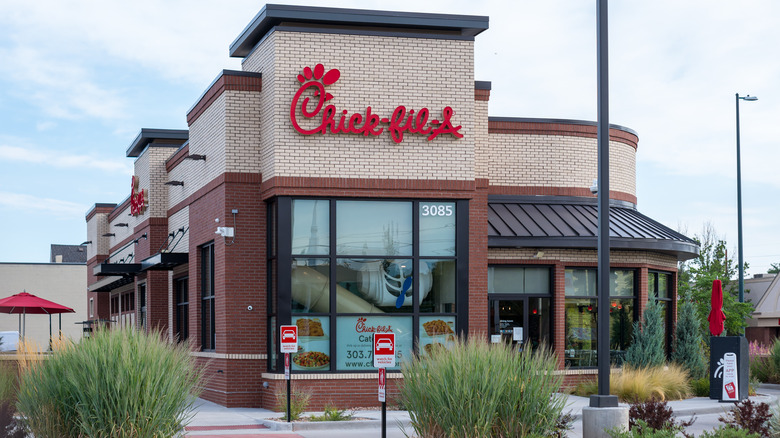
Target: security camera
249,307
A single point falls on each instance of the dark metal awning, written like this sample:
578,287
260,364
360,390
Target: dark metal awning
572,222
164,261
116,269
109,283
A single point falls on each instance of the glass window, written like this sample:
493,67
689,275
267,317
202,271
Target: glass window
313,343
437,284
310,226
182,310
374,228
621,328
436,332
354,350
354,269
375,285
141,305
518,280
581,332
208,335
580,282
582,311
310,286
437,228
621,283
658,287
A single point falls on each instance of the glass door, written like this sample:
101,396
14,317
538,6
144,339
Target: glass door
520,320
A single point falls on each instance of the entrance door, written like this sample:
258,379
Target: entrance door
520,320
507,320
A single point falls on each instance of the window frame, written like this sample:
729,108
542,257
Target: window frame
207,302
281,221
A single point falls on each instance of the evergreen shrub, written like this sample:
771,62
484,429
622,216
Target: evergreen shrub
647,348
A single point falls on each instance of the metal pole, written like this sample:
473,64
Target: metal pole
739,216
603,399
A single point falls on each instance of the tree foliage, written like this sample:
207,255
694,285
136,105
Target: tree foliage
647,350
774,269
695,279
688,350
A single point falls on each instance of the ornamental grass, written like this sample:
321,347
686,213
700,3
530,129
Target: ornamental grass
115,384
637,385
474,389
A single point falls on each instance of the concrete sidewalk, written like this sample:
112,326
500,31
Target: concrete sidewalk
214,421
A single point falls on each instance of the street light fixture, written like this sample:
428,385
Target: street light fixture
748,98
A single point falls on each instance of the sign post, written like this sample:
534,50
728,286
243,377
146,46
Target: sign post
288,344
384,356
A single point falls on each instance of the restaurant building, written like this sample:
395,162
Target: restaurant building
348,180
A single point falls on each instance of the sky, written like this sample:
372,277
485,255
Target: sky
79,79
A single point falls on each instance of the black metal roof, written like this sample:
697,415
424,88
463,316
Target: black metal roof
170,137
467,26
572,222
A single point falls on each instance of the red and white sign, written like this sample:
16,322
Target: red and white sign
289,338
384,350
382,384
308,108
730,382
139,198
286,366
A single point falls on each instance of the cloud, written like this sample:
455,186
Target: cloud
57,159
20,202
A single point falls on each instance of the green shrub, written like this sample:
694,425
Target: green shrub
729,432
687,350
475,389
774,422
647,348
299,401
701,387
641,430
333,414
117,383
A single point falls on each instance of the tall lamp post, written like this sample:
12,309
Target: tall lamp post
748,98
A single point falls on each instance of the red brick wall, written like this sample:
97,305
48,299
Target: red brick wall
240,281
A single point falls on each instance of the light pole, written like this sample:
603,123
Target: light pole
748,98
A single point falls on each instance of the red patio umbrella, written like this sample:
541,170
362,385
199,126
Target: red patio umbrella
24,303
717,316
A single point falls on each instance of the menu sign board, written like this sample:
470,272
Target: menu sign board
355,350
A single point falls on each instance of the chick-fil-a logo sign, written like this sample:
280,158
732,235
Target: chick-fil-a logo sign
138,198
310,103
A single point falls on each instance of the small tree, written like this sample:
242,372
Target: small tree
647,349
688,341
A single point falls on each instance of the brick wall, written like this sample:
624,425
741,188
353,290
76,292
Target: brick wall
558,161
383,81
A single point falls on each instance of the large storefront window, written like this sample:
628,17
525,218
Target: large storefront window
581,310
182,309
659,287
357,267
519,305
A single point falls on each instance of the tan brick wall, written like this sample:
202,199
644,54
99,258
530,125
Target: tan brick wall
381,72
262,61
207,137
97,226
582,256
150,169
557,161
181,219
481,140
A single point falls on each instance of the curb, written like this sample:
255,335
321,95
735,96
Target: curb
333,425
